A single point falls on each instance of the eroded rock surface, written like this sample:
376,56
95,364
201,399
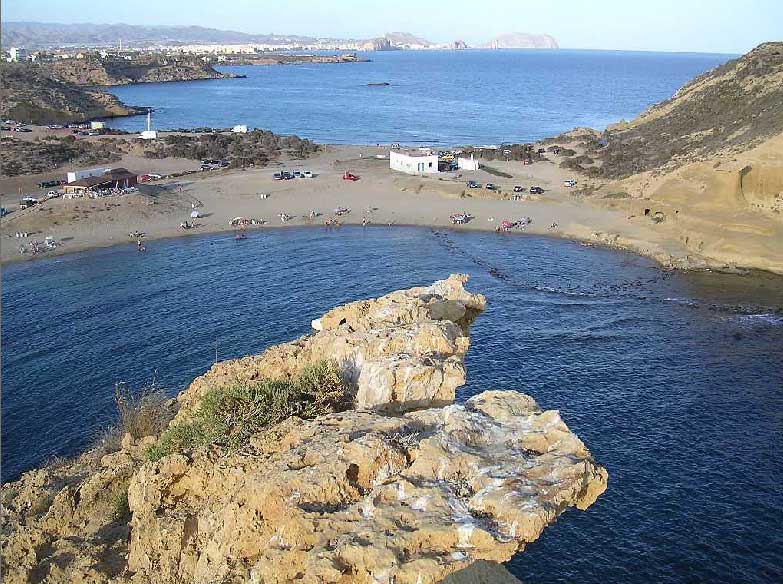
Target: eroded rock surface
400,351
363,497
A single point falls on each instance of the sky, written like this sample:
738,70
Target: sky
717,26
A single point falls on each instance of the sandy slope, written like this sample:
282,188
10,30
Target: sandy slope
727,209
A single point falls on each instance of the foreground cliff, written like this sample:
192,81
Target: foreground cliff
396,484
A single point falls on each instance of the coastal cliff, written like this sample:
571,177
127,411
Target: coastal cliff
372,474
703,168
149,68
31,95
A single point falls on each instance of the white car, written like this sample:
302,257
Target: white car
307,174
570,183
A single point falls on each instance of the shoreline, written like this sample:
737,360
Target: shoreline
380,197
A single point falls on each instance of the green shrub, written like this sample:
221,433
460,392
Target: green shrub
120,507
230,415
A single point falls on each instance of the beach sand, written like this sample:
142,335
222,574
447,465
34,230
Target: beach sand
381,196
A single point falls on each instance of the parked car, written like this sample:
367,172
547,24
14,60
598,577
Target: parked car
519,189
537,190
570,183
278,176
3,211
491,187
297,174
350,176
287,175
471,184
307,174
28,202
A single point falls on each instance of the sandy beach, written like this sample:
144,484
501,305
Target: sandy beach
380,196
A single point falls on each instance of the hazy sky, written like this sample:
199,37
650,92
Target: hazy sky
723,26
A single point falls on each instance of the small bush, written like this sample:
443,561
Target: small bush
144,412
230,415
120,507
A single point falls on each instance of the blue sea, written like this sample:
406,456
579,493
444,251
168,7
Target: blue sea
434,97
673,380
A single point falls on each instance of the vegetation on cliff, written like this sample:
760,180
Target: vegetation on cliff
20,157
230,415
93,70
240,150
31,95
732,107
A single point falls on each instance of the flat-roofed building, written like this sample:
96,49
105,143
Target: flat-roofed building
413,161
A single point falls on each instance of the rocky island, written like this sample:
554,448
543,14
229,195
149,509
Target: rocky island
338,457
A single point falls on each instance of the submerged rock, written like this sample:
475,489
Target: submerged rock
405,487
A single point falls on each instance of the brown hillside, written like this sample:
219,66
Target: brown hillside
731,108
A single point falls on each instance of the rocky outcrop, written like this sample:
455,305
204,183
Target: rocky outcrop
406,486
362,497
93,70
30,95
396,352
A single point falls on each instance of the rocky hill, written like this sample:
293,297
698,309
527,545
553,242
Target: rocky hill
729,109
339,457
49,34
146,68
702,170
31,95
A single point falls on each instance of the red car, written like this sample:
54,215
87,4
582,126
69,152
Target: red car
350,176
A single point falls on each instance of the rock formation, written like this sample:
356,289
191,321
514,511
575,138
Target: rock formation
709,161
29,94
406,486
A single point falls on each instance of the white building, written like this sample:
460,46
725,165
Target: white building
16,54
149,135
97,125
467,163
239,129
80,174
413,161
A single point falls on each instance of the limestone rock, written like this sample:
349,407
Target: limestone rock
367,495
363,497
401,351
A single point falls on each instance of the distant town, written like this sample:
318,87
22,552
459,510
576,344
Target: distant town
42,41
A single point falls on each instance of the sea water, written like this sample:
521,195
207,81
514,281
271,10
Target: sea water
673,380
434,97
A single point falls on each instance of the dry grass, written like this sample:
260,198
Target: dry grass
144,412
